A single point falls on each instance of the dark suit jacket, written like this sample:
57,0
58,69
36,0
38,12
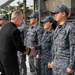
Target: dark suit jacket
10,43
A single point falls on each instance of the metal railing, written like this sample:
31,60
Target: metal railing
6,3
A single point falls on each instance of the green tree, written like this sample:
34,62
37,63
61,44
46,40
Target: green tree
9,9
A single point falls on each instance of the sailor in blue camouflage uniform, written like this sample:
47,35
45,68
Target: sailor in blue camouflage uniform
34,36
45,46
63,43
3,20
21,56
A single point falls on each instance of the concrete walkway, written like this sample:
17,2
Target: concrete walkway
28,68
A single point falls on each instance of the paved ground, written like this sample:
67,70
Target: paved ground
28,69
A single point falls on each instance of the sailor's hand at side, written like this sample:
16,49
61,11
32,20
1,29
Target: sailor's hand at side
32,49
68,70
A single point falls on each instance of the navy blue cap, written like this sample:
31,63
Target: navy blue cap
34,15
3,17
48,19
61,8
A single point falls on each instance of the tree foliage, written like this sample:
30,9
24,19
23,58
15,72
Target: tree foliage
9,9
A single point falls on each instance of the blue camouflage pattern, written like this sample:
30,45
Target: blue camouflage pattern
46,53
63,48
22,57
46,44
34,36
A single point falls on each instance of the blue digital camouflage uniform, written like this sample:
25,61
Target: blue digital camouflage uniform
34,36
63,48
2,17
46,53
21,56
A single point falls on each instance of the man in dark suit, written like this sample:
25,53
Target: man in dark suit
10,43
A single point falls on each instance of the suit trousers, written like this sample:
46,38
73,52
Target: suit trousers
11,70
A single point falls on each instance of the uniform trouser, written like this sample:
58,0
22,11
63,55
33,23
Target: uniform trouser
34,65
45,70
38,67
60,66
60,71
22,69
22,64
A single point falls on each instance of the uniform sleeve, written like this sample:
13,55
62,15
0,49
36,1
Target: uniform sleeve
50,54
72,48
39,37
16,37
38,47
25,33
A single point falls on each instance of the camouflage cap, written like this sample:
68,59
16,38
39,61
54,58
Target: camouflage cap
34,15
48,19
3,17
61,8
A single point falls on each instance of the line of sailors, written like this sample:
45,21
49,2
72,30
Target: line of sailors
52,47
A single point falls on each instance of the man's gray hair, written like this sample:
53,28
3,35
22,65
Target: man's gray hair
16,14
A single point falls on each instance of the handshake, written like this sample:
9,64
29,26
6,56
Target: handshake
28,50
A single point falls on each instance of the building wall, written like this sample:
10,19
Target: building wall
73,3
49,5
